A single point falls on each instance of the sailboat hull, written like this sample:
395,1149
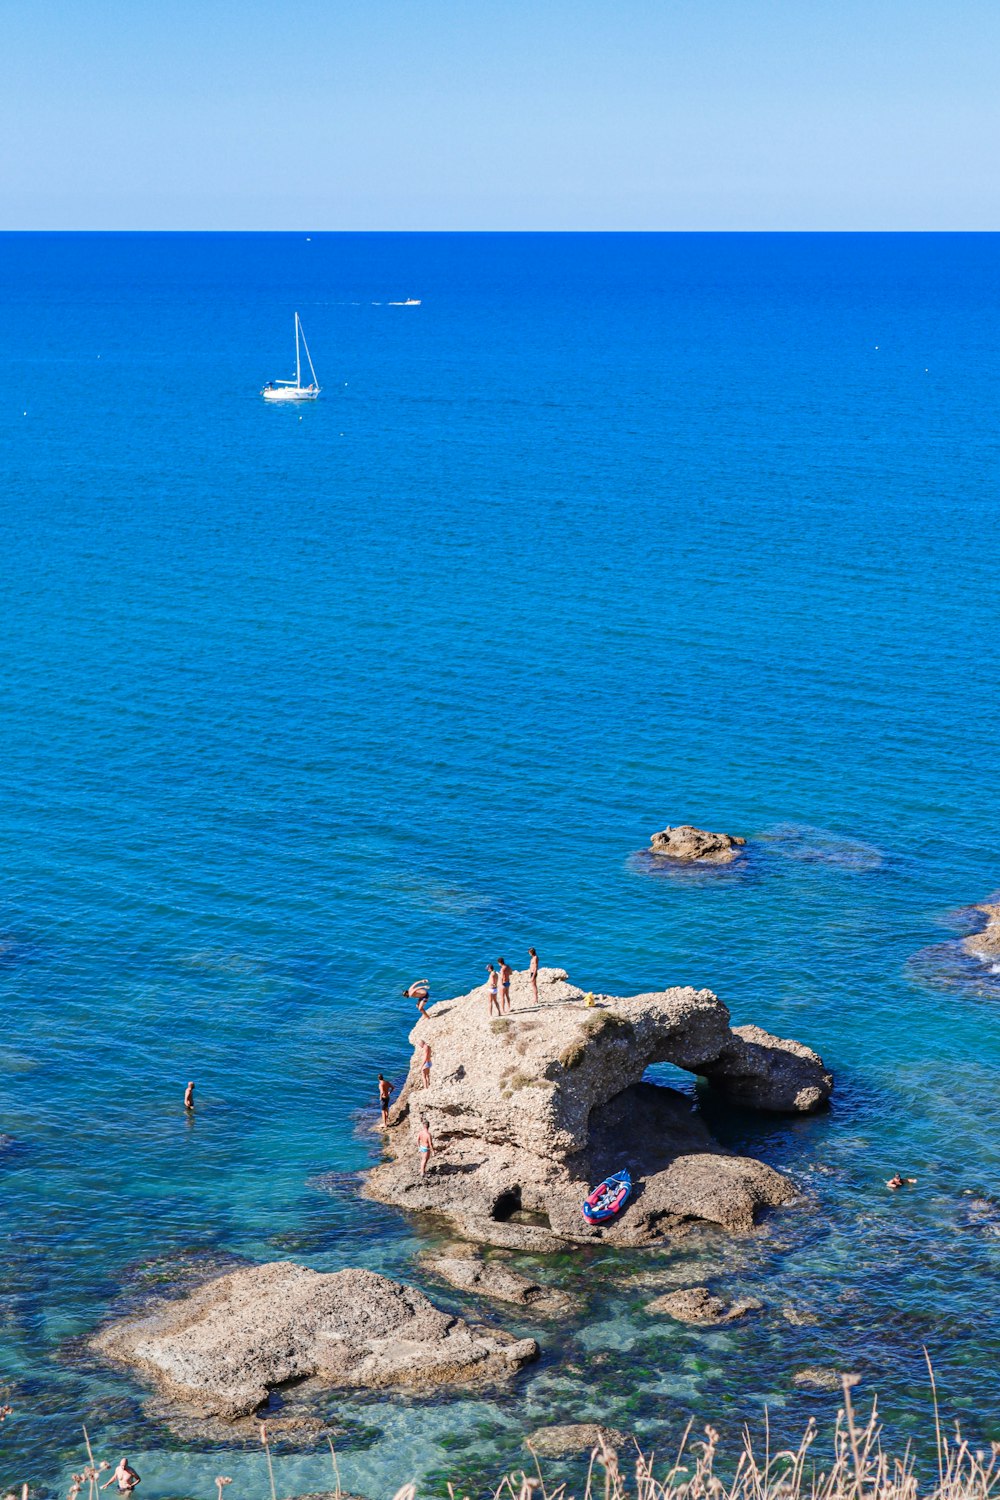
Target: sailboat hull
294,390
290,393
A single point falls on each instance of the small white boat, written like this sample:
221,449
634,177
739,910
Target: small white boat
410,302
294,390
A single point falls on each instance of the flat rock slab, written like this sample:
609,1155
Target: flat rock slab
463,1267
575,1437
696,1304
696,844
223,1347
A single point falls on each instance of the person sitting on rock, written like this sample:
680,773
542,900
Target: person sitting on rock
491,980
125,1477
425,1145
420,991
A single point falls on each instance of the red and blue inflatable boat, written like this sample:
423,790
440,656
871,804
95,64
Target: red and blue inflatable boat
607,1199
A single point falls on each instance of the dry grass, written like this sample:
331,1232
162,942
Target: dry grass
859,1468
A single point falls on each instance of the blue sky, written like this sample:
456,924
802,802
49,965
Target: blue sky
500,114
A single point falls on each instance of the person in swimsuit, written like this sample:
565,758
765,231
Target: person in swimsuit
897,1181
125,1477
420,991
385,1089
533,972
492,982
425,1065
189,1096
505,973
425,1145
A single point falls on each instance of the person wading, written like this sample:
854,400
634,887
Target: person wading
125,1477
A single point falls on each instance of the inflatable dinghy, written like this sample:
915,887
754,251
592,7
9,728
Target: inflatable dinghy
607,1199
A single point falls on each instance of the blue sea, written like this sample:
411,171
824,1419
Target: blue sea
609,532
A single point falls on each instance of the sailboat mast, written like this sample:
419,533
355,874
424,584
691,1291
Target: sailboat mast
298,366
305,346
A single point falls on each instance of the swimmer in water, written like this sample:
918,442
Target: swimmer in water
896,1181
189,1097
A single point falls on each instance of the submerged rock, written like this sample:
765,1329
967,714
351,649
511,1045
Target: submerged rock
797,1317
465,1268
823,1380
529,1110
985,944
696,1304
575,1437
687,843
223,1347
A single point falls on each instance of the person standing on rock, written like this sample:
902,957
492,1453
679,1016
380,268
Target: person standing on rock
491,980
420,991
533,972
425,1065
425,1145
385,1089
505,973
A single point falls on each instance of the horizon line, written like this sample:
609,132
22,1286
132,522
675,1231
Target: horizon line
311,230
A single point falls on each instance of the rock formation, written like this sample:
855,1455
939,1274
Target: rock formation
690,844
460,1265
222,1347
575,1437
530,1109
696,1304
760,1071
985,944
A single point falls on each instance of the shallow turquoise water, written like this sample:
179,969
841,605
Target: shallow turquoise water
610,532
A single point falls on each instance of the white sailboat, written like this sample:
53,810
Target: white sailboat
294,390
